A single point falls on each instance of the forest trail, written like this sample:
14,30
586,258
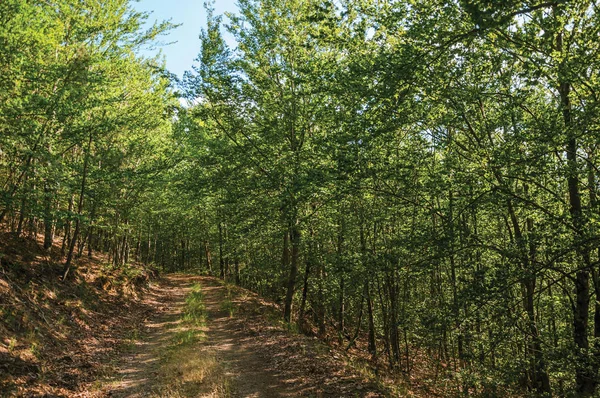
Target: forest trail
140,367
232,360
241,355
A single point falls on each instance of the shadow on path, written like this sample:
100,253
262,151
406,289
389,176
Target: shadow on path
247,361
137,370
241,355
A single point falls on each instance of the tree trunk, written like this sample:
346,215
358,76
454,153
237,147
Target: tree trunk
221,259
236,267
23,211
341,268
372,347
585,372
393,321
320,312
22,215
67,266
67,232
48,222
341,308
207,256
305,289
291,284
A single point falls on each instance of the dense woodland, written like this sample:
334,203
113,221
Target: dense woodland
419,176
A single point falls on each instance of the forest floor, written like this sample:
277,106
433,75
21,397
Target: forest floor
124,332
238,349
61,338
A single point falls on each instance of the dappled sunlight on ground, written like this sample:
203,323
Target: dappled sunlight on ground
237,354
139,369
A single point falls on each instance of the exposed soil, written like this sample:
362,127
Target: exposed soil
60,338
111,332
255,352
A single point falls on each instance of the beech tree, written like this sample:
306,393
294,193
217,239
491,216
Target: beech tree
415,180
427,205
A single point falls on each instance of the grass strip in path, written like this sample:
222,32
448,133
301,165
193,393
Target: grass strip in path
187,369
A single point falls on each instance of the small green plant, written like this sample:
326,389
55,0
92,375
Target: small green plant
292,327
35,349
186,337
134,335
228,306
195,311
12,344
97,385
224,390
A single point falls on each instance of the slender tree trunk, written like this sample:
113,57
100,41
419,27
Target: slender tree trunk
23,210
48,221
455,303
320,313
291,284
341,267
236,267
341,308
586,373
221,259
596,270
183,254
67,230
305,285
91,241
207,255
372,347
393,321
22,216
386,324
67,266
138,246
126,248
285,255
31,225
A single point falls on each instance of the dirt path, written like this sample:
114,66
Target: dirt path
242,355
138,369
249,362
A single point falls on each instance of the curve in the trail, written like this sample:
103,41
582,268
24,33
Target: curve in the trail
138,369
239,355
242,360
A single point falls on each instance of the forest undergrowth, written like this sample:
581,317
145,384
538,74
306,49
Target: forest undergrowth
62,337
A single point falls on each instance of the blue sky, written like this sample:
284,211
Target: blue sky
190,13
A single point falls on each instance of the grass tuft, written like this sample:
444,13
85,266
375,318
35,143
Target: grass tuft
186,370
195,311
228,306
